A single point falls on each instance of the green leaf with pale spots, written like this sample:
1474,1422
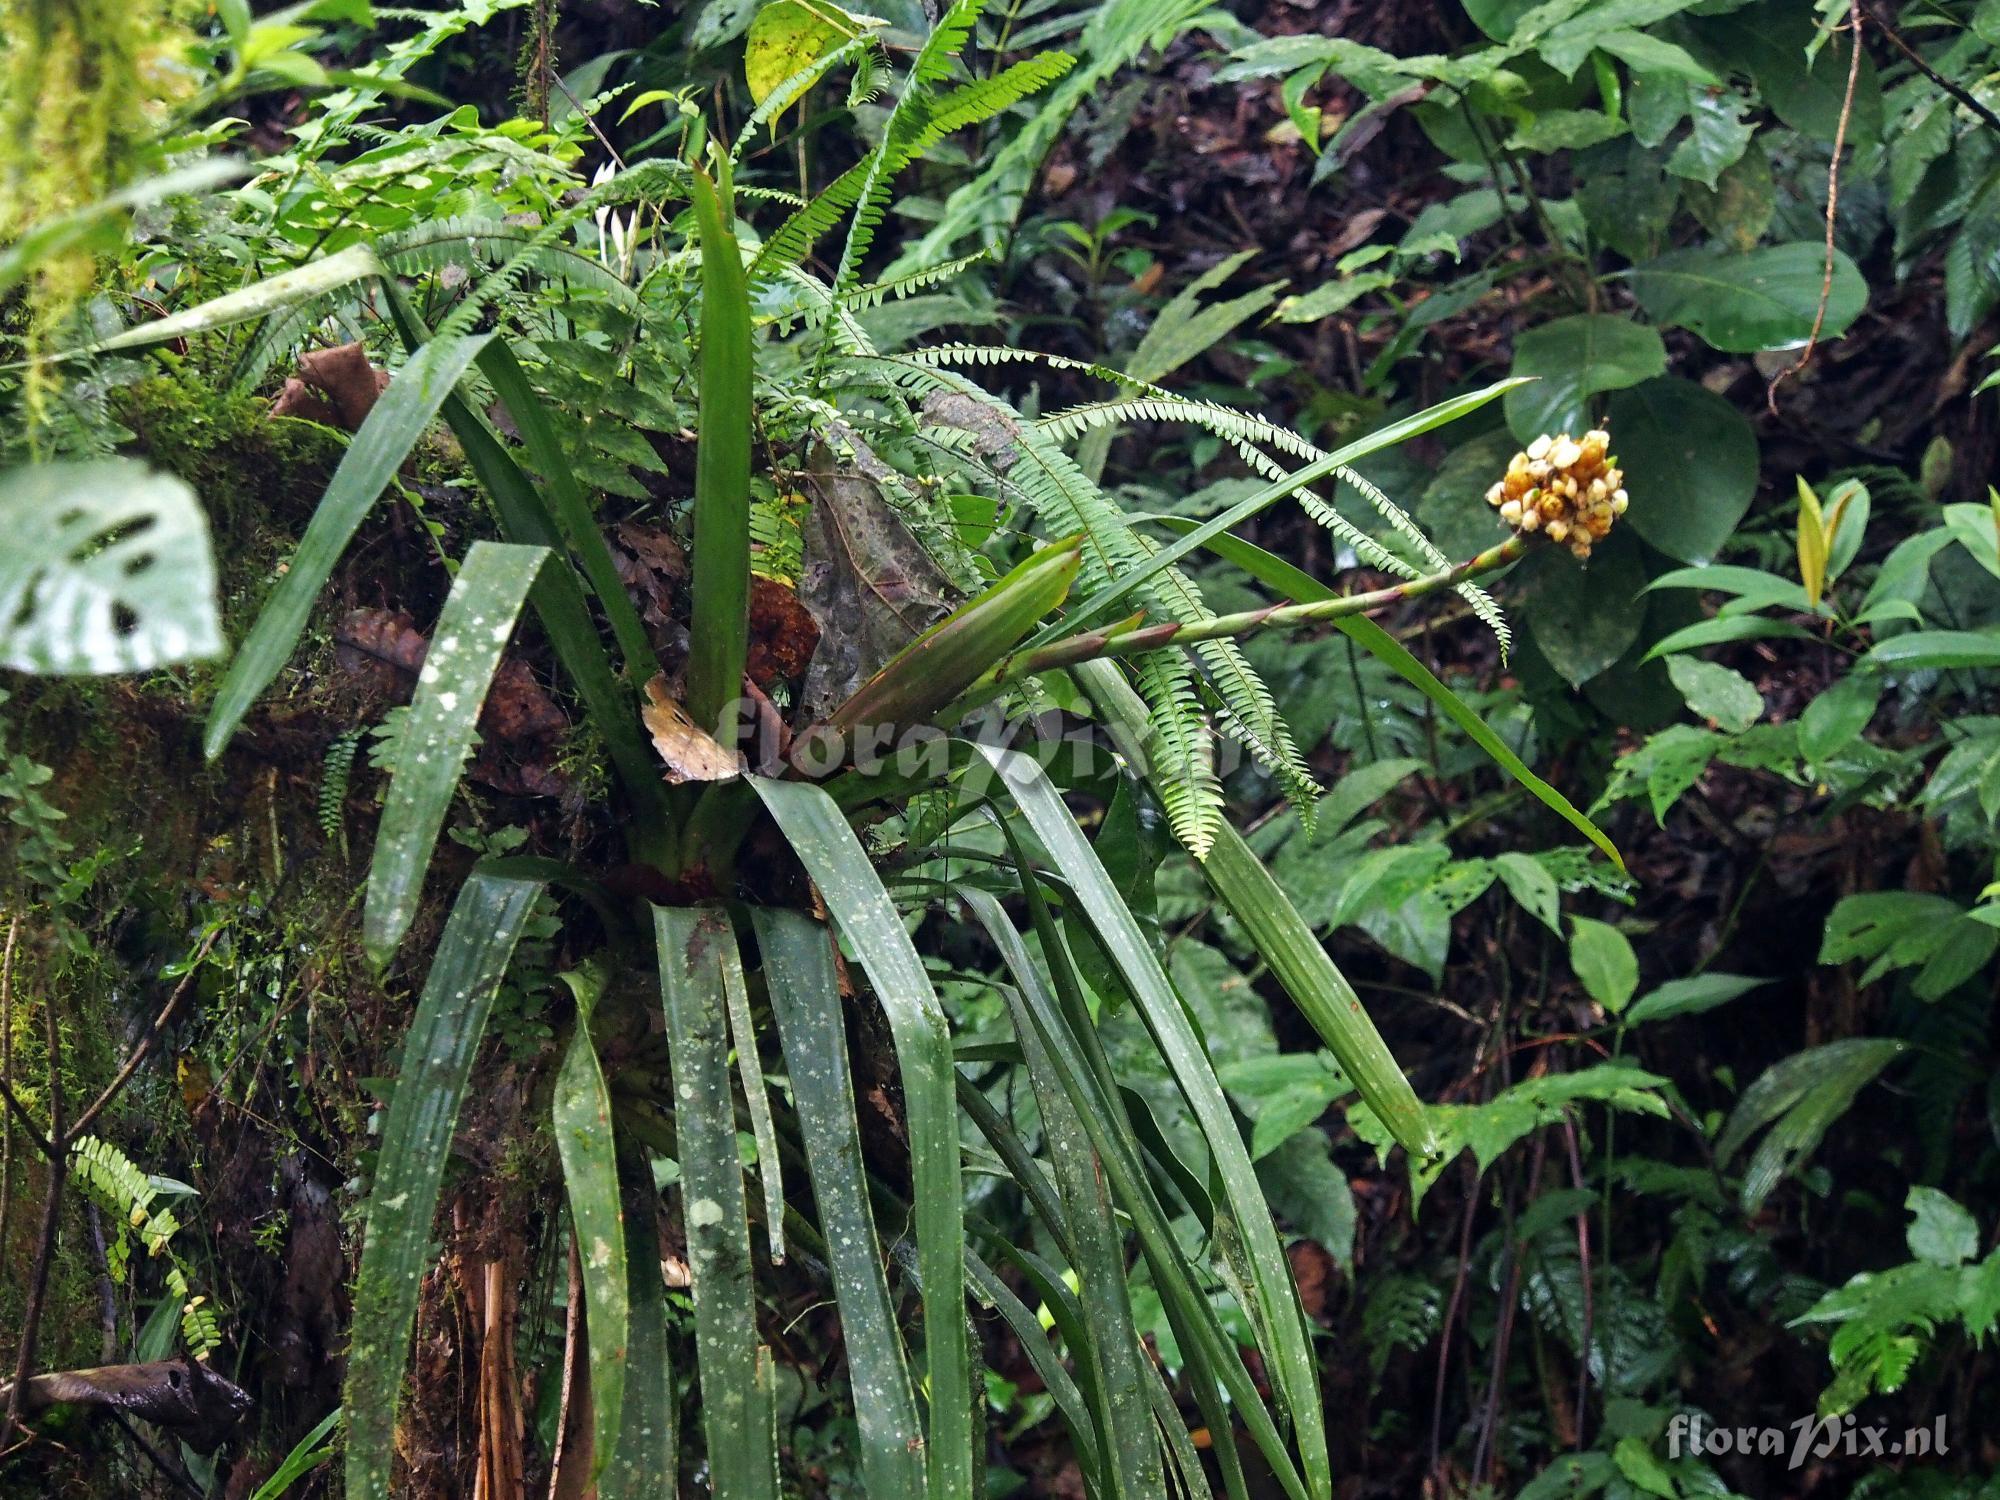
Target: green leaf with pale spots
581,1113
789,36
443,1039
438,734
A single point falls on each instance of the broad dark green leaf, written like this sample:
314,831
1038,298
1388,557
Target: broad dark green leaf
1580,614
1690,463
1573,359
443,1039
1769,41
398,419
1935,649
438,732
1723,628
1748,303
1833,719
1691,996
1803,1095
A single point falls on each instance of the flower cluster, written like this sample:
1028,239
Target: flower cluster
1568,487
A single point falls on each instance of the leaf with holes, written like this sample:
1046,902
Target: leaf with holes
109,570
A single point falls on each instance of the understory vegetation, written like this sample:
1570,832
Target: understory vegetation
948,748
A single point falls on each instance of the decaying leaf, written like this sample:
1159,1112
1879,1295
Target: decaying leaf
653,567
335,386
783,633
519,725
688,752
867,580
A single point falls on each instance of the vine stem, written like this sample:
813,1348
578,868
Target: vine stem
1130,638
1832,206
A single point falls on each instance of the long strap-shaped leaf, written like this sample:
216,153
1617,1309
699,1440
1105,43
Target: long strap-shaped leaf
569,507
647,1460
736,1406
1284,939
1084,1072
372,458
763,1130
472,631
854,894
1097,1247
558,599
720,582
805,997
472,956
581,1113
1274,1306
1302,588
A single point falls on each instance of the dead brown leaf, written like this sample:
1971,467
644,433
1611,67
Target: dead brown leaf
687,751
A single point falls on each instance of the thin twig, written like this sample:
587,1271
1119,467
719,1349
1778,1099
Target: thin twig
144,1047
7,1076
1583,1267
1832,206
1956,90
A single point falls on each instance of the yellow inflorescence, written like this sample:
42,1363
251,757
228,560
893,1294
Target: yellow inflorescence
1571,488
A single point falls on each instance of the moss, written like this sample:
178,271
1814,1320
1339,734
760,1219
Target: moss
258,476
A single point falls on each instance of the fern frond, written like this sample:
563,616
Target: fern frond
977,102
861,298
794,239
946,41
336,772
1183,752
798,85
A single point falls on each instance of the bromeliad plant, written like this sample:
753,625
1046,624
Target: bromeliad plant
758,888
